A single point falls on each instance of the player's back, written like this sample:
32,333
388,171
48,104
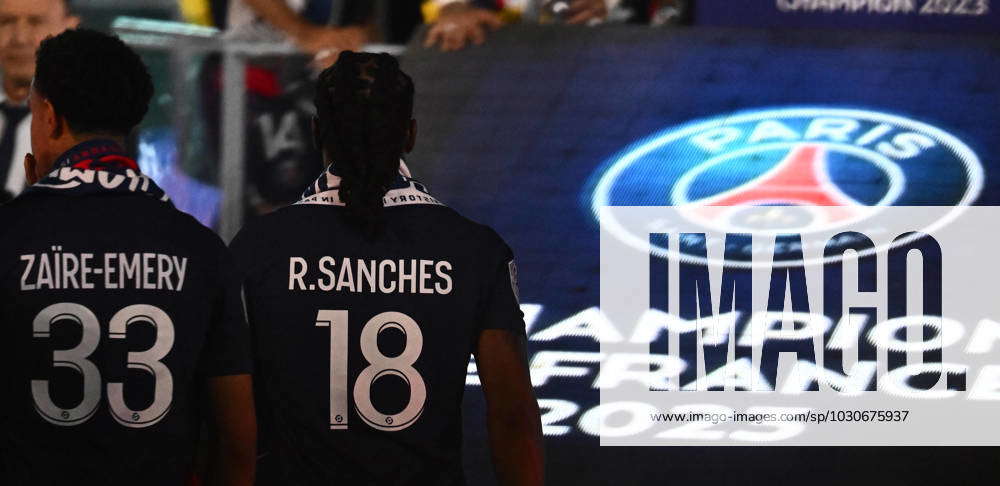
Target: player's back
113,311
363,344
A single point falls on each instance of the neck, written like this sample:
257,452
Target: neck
90,138
71,142
16,89
58,151
68,143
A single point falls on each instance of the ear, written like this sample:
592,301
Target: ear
411,137
72,22
30,165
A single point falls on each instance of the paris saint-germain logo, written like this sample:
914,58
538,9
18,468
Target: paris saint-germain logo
819,168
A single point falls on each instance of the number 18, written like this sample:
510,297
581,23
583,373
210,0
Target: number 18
379,366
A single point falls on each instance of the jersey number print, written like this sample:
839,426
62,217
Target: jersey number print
379,365
76,358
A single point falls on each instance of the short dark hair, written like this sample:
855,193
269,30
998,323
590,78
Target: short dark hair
94,80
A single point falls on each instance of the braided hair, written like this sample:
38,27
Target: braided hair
364,104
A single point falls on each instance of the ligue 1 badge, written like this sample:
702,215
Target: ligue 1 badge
512,269
819,168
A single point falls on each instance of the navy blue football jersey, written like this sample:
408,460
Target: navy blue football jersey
362,345
116,307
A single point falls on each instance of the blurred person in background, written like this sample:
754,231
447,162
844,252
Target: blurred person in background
23,26
457,23
318,27
314,25
658,13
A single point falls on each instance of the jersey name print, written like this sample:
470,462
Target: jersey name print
410,276
60,269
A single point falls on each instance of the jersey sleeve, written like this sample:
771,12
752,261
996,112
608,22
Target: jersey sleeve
227,348
500,307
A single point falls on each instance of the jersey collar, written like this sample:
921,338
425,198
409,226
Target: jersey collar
95,167
405,190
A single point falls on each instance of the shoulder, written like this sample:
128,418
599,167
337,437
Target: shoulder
478,235
485,233
19,204
10,208
261,231
260,238
181,225
170,226
494,242
10,212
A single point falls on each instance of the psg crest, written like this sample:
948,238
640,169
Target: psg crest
821,169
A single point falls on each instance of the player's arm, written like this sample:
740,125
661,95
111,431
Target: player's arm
513,419
233,451
226,364
459,24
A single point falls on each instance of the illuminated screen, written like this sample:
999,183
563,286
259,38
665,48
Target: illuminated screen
535,130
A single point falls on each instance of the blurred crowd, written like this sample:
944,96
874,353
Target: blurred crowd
323,27
279,157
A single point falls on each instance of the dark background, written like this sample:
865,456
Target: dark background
513,133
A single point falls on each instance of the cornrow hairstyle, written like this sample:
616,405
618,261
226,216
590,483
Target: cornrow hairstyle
364,104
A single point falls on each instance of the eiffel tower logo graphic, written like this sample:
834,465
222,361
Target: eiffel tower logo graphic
799,179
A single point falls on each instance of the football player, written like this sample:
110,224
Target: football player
122,314
366,300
